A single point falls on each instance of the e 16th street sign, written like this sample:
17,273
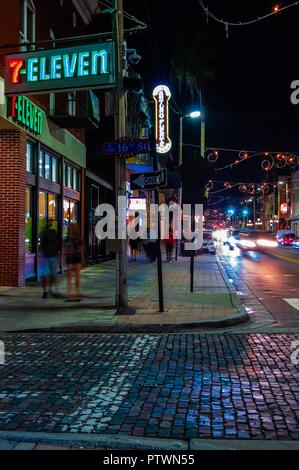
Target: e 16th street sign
127,147
149,181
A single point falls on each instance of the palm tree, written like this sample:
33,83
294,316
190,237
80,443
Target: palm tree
194,63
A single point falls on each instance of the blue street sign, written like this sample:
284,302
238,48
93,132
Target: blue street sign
127,147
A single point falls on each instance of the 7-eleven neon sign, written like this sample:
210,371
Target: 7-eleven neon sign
16,67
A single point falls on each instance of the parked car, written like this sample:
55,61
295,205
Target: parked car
280,233
286,239
208,243
295,243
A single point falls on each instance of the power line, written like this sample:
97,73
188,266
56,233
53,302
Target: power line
277,9
126,14
246,23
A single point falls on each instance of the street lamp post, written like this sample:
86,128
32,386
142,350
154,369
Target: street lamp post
192,115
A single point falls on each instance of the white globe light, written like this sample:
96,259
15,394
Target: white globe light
195,114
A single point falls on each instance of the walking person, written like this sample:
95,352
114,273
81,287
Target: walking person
134,245
74,260
50,248
169,246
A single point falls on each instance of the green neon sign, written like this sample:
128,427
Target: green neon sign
90,66
26,113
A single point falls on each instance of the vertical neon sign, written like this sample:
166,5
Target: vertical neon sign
162,96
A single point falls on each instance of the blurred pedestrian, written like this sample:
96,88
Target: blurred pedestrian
74,259
169,242
50,247
134,246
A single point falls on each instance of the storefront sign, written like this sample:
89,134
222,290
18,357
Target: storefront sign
90,66
136,204
283,208
24,112
162,96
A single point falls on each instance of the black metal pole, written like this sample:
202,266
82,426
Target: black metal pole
158,245
193,253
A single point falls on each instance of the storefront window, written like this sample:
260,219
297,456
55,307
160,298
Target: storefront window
54,170
72,177
42,211
70,217
66,218
28,221
47,210
30,157
42,164
48,167
52,209
74,213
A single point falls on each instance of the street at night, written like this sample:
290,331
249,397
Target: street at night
149,216
274,279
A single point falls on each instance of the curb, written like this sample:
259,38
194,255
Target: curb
126,442
123,442
241,317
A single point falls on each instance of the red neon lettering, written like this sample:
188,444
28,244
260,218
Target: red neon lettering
13,106
16,65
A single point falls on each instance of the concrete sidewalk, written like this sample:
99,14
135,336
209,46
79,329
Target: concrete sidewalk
214,302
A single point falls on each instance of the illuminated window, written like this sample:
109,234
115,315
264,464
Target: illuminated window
70,217
54,170
47,210
28,221
48,167
71,177
52,207
27,32
41,164
30,157
48,172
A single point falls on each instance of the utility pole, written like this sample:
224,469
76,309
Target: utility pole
158,241
179,240
202,124
278,204
120,162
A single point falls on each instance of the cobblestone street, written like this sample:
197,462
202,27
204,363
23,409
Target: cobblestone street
183,386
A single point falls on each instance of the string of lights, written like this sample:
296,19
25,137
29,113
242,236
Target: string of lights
275,10
245,188
270,160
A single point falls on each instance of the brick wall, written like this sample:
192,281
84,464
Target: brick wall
12,207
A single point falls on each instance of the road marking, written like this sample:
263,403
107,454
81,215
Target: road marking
293,302
286,258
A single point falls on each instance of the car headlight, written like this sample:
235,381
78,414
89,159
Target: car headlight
267,243
247,244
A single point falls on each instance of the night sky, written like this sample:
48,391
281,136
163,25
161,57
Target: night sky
248,104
